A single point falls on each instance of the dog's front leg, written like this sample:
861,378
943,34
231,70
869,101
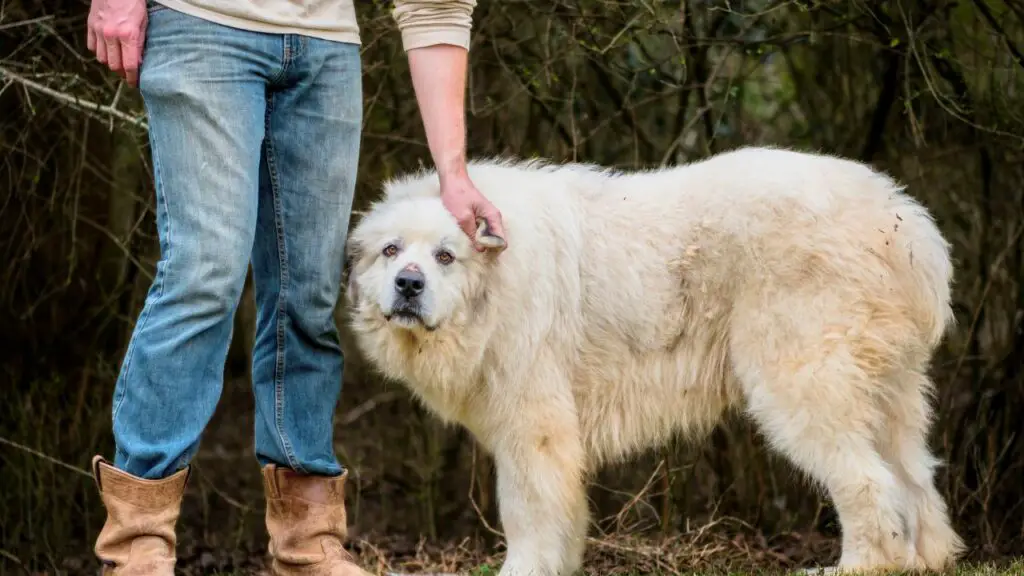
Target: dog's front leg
542,499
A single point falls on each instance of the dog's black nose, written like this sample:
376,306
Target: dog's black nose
409,283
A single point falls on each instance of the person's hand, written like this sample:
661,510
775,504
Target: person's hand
116,34
469,207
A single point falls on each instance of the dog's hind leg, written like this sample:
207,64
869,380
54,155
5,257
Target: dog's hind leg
806,386
904,444
830,439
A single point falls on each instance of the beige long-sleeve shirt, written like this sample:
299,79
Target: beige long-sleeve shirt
421,22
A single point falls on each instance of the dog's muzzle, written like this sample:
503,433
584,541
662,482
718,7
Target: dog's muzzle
409,283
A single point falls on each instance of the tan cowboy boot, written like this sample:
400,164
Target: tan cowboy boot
306,522
139,534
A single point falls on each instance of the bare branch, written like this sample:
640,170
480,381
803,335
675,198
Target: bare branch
74,101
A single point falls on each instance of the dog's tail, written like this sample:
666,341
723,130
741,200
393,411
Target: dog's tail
926,262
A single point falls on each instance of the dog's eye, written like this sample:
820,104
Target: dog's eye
445,257
390,250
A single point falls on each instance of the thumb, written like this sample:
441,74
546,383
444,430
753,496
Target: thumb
494,224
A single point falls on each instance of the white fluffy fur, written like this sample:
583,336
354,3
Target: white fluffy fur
807,290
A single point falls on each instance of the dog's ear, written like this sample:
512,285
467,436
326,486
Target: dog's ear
489,241
353,251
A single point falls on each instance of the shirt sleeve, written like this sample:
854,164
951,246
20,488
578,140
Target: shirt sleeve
429,22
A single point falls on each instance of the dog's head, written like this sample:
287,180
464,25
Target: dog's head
409,267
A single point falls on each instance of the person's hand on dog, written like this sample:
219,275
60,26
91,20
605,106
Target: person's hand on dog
477,217
116,34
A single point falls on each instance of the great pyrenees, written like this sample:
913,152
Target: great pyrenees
807,290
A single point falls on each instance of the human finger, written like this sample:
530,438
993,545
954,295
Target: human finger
494,221
92,33
101,49
130,54
488,236
114,62
467,221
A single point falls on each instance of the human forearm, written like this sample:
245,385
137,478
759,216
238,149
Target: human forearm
439,80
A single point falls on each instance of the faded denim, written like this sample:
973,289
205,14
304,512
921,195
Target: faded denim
255,145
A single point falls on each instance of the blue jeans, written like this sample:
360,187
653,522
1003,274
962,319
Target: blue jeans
255,145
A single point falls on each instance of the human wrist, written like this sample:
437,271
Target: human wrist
453,169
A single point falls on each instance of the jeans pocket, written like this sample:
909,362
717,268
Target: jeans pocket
153,6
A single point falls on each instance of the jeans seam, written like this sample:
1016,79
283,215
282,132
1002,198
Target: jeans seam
282,259
286,60
158,279
299,46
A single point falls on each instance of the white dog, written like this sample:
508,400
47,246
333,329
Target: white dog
807,290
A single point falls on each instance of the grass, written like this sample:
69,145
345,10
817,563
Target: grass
1013,568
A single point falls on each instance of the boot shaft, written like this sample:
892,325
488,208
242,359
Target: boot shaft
139,535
